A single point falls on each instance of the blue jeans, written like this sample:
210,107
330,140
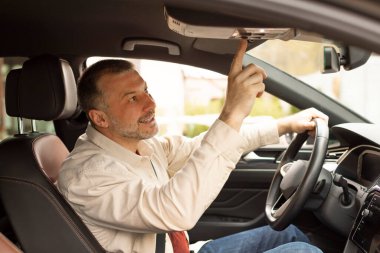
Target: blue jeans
263,239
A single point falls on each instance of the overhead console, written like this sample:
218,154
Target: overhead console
201,25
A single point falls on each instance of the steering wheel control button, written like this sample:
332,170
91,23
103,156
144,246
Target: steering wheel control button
366,213
284,169
293,178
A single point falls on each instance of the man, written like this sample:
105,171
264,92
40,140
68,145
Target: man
128,185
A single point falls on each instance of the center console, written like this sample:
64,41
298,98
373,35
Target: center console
366,230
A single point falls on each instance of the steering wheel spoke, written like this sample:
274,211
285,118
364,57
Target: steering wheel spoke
279,212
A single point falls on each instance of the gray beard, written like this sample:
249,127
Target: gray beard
132,134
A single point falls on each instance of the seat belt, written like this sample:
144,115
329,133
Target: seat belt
160,238
160,243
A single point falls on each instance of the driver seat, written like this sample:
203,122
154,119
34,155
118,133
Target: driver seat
42,220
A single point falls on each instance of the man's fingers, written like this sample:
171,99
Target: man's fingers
262,71
309,125
252,70
318,114
237,63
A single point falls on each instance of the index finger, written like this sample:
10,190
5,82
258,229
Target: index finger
237,63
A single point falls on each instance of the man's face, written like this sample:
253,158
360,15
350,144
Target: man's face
130,109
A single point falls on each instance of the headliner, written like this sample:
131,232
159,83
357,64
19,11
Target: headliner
99,27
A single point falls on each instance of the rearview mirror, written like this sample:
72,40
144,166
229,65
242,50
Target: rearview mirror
331,60
349,57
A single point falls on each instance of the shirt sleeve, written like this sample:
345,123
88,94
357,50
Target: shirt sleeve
259,134
178,149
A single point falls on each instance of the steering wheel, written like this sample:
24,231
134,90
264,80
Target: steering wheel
293,180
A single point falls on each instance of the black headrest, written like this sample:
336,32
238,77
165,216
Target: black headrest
43,89
11,96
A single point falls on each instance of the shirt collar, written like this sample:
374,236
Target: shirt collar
116,150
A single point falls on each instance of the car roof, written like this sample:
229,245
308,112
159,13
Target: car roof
97,27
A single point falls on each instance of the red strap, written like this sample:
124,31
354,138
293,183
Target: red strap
179,242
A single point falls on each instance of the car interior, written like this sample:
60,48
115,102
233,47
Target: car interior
332,180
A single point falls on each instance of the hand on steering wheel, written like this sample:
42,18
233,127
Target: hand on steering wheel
294,181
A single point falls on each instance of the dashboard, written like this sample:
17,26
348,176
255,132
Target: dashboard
360,166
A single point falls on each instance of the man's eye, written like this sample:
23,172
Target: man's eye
133,99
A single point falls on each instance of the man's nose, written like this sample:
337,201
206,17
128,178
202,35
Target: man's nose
150,103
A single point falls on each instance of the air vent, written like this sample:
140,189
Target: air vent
335,154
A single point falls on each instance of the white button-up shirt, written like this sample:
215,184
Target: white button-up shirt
125,198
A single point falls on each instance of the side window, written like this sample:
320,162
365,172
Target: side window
8,125
189,99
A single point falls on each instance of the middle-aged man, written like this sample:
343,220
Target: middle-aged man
128,185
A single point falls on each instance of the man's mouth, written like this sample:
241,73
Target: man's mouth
147,119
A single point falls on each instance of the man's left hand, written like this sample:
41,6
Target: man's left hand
300,122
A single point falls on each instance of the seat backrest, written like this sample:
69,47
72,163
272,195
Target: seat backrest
42,220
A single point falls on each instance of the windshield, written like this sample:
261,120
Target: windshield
357,89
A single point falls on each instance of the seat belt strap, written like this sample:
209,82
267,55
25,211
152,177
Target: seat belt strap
160,243
160,238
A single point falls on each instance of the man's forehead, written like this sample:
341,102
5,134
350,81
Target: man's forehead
126,79
130,76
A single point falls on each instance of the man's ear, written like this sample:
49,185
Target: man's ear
99,118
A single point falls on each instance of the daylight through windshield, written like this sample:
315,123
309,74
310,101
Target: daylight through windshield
357,89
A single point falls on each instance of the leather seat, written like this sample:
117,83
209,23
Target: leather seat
42,220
